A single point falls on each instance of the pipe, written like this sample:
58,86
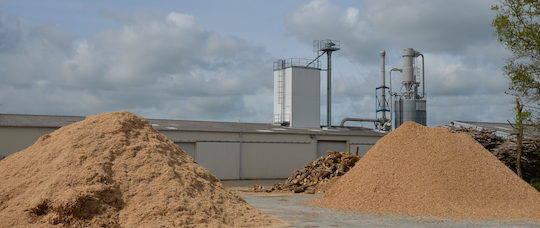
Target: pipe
383,54
423,77
393,69
391,94
342,124
329,91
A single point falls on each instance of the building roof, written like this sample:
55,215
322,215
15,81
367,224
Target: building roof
53,121
501,129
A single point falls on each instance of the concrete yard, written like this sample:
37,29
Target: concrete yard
294,209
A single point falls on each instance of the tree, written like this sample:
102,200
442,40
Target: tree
517,25
520,118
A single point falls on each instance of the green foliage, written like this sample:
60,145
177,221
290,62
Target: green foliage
535,185
517,26
522,116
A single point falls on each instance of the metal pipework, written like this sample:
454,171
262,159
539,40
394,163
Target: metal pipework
409,80
423,77
328,46
383,84
342,124
409,104
392,94
329,90
390,78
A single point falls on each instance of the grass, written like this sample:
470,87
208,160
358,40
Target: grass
535,185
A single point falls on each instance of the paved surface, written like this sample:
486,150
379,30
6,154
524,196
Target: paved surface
293,209
247,184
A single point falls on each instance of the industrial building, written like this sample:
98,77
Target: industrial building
266,151
229,150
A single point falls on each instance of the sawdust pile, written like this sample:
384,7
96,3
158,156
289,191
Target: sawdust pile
114,170
317,175
506,150
421,171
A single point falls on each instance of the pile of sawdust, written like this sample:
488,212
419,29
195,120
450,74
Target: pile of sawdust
114,170
421,171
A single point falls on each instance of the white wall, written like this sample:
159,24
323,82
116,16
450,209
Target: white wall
324,145
306,89
222,159
301,97
274,160
232,155
360,149
188,148
14,139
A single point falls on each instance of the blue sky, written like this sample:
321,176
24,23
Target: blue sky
211,60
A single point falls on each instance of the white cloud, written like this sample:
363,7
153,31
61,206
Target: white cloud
167,66
463,58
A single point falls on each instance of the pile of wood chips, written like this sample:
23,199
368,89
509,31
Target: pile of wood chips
430,172
115,170
315,175
506,150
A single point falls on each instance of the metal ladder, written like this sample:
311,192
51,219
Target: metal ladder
281,95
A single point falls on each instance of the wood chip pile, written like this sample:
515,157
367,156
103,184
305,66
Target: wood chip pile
115,170
315,174
505,150
430,172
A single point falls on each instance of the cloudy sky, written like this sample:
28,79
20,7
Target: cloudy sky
212,59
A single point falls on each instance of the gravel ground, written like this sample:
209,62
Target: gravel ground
293,209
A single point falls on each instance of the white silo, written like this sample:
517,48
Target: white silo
297,93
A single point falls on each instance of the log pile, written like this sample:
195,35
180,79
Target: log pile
316,173
486,137
530,158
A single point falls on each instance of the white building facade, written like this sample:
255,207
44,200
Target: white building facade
231,151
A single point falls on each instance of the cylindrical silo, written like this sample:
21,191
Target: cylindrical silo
409,110
409,105
408,69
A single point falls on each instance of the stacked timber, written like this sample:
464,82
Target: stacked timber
486,137
316,173
530,157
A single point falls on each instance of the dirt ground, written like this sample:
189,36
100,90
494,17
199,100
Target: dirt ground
294,209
